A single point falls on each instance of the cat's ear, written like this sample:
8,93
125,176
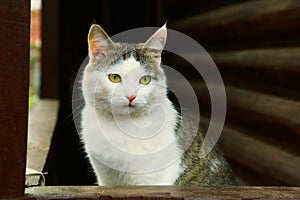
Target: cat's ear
157,41
99,42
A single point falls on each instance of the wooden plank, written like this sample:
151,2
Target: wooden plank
273,120
278,66
191,9
160,192
270,118
271,115
14,64
245,173
261,157
273,66
42,121
272,70
283,111
262,86
279,166
247,22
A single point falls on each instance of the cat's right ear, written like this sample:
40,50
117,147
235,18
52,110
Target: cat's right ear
99,42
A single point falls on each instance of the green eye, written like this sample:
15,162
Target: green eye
145,80
115,78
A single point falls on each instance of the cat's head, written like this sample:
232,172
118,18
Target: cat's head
123,78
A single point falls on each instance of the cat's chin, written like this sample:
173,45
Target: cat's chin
129,111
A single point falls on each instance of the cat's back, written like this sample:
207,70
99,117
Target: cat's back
212,170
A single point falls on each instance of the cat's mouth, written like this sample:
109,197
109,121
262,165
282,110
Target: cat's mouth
128,106
131,106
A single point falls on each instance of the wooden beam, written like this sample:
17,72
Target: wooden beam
50,49
268,115
261,157
14,86
268,161
160,192
273,70
273,66
191,9
247,22
272,114
276,165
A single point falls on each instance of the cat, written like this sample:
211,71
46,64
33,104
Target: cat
129,126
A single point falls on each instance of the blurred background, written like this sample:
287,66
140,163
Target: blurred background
255,44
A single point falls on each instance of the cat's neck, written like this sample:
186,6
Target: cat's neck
140,135
159,118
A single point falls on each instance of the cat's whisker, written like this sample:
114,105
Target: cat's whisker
140,101
78,107
82,99
139,104
75,110
73,100
76,115
118,100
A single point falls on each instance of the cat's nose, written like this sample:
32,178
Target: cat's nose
131,98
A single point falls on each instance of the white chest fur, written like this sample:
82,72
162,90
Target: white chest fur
124,151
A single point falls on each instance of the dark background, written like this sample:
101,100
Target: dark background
255,45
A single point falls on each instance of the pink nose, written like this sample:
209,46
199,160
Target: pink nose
131,98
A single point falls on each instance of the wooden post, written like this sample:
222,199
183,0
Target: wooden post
50,49
14,84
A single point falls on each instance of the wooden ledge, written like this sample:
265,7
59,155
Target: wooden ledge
160,192
42,121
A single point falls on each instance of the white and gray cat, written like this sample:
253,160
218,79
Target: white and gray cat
129,126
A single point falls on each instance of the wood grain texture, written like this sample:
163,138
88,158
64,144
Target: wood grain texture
261,133
14,77
42,121
161,192
270,70
271,116
273,66
246,22
261,157
267,110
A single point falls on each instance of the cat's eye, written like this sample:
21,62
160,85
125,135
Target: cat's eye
145,80
115,78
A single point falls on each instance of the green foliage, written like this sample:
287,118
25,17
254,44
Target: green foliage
34,74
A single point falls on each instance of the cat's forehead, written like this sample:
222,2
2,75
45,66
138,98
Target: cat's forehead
123,51
128,66
132,53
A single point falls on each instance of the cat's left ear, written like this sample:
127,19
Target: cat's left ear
157,41
99,42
